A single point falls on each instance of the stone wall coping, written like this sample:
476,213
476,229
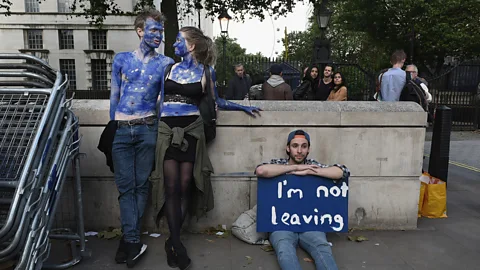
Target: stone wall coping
311,106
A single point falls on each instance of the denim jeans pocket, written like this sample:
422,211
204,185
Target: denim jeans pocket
152,127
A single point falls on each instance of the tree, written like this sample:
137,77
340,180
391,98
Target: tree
97,10
440,27
367,32
234,53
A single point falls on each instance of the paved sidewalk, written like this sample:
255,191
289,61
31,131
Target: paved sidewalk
451,243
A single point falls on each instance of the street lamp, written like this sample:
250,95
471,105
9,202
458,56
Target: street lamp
323,17
199,7
224,20
322,44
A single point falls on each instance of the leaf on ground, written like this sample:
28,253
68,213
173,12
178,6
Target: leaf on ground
111,234
357,238
213,230
249,259
308,260
361,238
211,241
267,248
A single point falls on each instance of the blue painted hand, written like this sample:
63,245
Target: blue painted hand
251,110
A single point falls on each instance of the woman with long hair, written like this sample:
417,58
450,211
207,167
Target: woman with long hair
181,179
306,90
339,91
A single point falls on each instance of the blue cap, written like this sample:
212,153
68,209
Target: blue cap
298,132
276,69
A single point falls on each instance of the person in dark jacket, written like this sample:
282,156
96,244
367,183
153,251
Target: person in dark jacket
306,90
256,92
275,87
239,84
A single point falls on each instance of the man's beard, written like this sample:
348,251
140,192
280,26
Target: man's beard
294,159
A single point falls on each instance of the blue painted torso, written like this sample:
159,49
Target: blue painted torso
139,82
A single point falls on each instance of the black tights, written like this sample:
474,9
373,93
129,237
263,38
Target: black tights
178,178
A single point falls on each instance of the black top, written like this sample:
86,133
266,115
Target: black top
190,93
323,90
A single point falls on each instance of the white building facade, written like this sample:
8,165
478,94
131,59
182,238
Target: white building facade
69,43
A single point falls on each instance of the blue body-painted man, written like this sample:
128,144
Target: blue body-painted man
136,91
185,86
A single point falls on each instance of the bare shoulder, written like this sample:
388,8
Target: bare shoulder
122,57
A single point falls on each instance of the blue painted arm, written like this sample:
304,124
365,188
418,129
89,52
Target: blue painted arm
228,105
115,85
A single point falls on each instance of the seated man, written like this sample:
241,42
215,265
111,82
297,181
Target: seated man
314,242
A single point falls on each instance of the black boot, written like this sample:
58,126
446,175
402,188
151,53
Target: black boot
171,256
121,256
183,260
134,252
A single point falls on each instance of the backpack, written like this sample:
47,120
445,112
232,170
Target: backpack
206,106
208,110
378,85
413,92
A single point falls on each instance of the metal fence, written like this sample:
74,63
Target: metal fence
458,89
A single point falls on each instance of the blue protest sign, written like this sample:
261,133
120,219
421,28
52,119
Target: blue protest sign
302,203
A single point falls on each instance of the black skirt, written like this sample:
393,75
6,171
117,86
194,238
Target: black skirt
175,153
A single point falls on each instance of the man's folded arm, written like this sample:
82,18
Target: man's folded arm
272,170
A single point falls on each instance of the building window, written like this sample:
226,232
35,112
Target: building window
98,39
65,38
99,74
65,6
34,39
67,66
32,6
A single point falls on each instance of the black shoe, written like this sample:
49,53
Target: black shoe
134,252
171,256
183,260
121,256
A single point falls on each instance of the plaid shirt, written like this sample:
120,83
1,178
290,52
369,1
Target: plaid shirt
284,161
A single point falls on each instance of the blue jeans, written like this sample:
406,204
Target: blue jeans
315,243
133,155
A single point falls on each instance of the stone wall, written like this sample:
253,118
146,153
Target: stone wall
381,143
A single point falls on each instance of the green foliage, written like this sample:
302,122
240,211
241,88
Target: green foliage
442,27
235,54
5,5
367,32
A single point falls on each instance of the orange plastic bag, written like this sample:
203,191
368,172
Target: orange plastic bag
423,187
434,198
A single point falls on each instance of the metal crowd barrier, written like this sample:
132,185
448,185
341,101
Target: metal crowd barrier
38,140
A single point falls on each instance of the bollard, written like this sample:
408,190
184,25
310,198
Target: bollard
440,149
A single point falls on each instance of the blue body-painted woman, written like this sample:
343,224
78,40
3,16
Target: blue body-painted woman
190,71
185,86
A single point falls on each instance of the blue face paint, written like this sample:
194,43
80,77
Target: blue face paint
153,33
180,46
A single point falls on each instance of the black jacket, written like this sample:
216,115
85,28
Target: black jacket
105,144
304,91
238,87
